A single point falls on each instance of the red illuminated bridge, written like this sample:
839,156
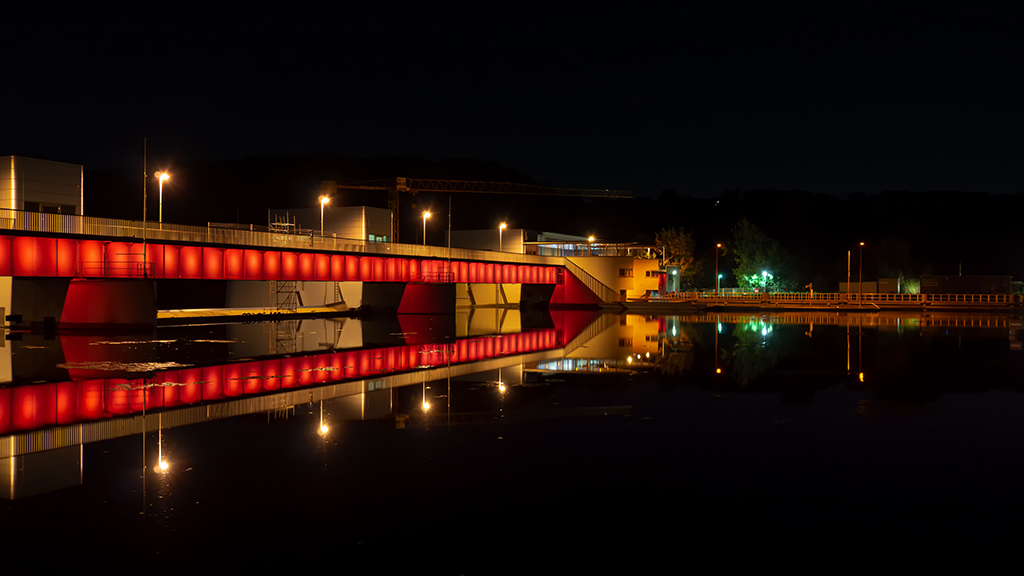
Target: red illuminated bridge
83,271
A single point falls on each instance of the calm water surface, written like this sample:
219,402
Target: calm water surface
733,439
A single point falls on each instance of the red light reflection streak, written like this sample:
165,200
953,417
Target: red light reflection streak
35,406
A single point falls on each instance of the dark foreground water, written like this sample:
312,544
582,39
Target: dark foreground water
787,458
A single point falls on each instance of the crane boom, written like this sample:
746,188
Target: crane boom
414,185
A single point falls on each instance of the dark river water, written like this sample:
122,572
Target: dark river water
564,443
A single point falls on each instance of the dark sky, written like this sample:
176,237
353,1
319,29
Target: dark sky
578,94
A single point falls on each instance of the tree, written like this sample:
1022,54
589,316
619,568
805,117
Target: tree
677,248
755,254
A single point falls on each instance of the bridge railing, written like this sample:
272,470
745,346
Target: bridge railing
20,220
838,298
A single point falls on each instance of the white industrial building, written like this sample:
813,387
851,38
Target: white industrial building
41,185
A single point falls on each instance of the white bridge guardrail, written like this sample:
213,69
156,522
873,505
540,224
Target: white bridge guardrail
19,220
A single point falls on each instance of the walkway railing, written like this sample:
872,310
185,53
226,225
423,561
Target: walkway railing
603,292
19,220
835,298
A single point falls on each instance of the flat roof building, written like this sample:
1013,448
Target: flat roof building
41,185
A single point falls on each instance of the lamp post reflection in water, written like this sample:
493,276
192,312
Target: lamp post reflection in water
718,324
426,405
323,429
161,464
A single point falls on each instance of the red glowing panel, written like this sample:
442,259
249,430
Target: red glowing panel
5,260
323,266
271,265
67,257
377,361
234,264
289,372
233,377
154,259
322,368
90,405
90,254
405,270
153,396
171,393
24,253
213,382
414,270
6,409
136,396
46,257
365,362
116,396
351,364
34,406
232,385
352,268
155,256
305,371
392,269
122,259
190,264
365,269
337,364
289,266
307,266
338,268
270,375
253,264
213,263
171,257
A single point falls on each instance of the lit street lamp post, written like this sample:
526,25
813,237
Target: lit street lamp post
426,215
718,277
860,281
500,228
764,285
323,202
161,177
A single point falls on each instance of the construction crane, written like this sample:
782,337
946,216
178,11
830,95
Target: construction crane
414,185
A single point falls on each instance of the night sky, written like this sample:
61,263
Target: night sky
576,94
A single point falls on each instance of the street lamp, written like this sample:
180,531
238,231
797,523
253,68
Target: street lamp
764,286
324,200
426,215
500,228
161,177
860,280
718,277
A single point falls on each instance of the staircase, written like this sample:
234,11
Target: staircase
605,293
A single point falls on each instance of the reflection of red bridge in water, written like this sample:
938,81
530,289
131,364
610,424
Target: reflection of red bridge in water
88,398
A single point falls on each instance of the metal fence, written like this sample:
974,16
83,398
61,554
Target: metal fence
839,298
19,220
